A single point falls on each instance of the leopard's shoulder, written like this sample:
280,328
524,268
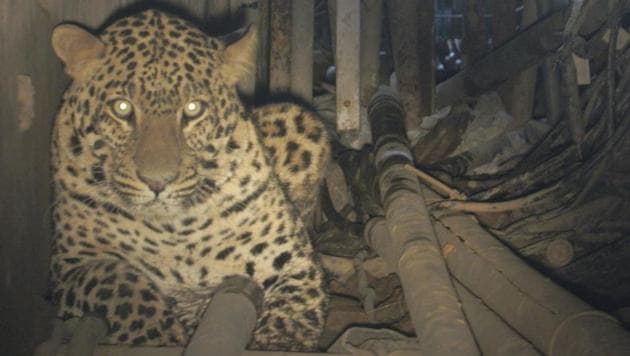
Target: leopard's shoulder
298,146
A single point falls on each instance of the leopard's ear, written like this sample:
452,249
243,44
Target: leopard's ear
239,58
78,49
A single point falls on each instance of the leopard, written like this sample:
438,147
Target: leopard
166,183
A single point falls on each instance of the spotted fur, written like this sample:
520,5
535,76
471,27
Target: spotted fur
155,208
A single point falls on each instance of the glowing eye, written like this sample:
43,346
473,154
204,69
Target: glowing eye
194,109
122,108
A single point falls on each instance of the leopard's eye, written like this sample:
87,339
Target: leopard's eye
122,108
194,109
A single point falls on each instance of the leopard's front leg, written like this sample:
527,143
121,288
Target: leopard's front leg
293,308
133,307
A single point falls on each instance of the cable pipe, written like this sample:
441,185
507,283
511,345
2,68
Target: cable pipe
114,350
410,245
494,336
225,329
551,318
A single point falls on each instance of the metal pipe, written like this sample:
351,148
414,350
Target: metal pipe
225,329
229,320
88,332
114,350
554,320
494,336
51,346
410,245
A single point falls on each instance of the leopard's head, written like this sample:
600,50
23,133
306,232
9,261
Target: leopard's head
152,114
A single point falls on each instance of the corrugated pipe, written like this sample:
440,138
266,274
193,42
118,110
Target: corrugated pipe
410,246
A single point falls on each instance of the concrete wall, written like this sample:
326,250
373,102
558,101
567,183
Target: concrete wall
25,198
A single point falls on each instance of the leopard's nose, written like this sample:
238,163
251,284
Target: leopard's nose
156,184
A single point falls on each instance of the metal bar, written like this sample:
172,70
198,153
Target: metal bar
371,30
264,49
411,32
251,17
112,350
549,72
302,27
348,56
518,92
371,27
410,246
280,48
